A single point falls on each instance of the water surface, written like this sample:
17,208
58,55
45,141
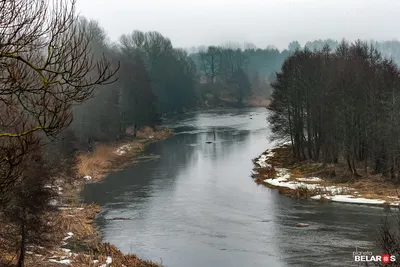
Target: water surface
197,205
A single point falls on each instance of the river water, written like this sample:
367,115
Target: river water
197,206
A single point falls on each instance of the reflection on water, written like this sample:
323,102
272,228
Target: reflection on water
197,206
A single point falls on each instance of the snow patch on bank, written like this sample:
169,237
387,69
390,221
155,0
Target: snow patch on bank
283,176
69,235
311,179
349,199
66,261
262,160
331,193
123,149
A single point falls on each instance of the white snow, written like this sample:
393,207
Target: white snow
360,200
282,181
262,161
123,149
66,250
53,202
61,261
285,143
69,235
332,193
310,179
108,262
87,177
349,199
316,197
69,208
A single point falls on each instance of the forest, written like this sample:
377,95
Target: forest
65,86
340,105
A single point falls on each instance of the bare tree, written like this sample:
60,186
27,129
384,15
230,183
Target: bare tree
46,65
211,62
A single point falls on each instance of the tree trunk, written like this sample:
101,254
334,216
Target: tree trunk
134,130
354,167
349,164
21,258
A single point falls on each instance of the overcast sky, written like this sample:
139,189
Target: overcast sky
262,22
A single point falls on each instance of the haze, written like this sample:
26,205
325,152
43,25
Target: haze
267,22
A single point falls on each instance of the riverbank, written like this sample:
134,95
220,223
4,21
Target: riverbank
79,240
275,168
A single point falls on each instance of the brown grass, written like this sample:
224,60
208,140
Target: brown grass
105,157
97,163
300,192
101,251
156,134
79,218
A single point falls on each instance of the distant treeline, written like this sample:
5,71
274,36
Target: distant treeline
389,49
154,79
340,105
231,72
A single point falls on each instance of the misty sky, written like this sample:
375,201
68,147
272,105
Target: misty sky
262,22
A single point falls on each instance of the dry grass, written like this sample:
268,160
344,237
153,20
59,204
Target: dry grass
100,253
78,218
97,163
109,157
260,174
156,134
283,157
301,192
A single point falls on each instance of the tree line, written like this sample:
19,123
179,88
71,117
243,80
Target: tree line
229,71
153,79
340,105
389,49
46,67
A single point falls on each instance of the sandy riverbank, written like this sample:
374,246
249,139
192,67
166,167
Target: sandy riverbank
79,240
276,169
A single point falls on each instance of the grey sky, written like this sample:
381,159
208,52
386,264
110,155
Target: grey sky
262,22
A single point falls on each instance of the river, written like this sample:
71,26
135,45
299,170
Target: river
197,206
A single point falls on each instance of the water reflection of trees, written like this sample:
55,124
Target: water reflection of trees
137,183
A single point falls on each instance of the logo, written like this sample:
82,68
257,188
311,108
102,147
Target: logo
368,256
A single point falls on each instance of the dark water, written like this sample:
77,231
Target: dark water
197,205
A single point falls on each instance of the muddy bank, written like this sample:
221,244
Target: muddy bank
80,242
276,169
